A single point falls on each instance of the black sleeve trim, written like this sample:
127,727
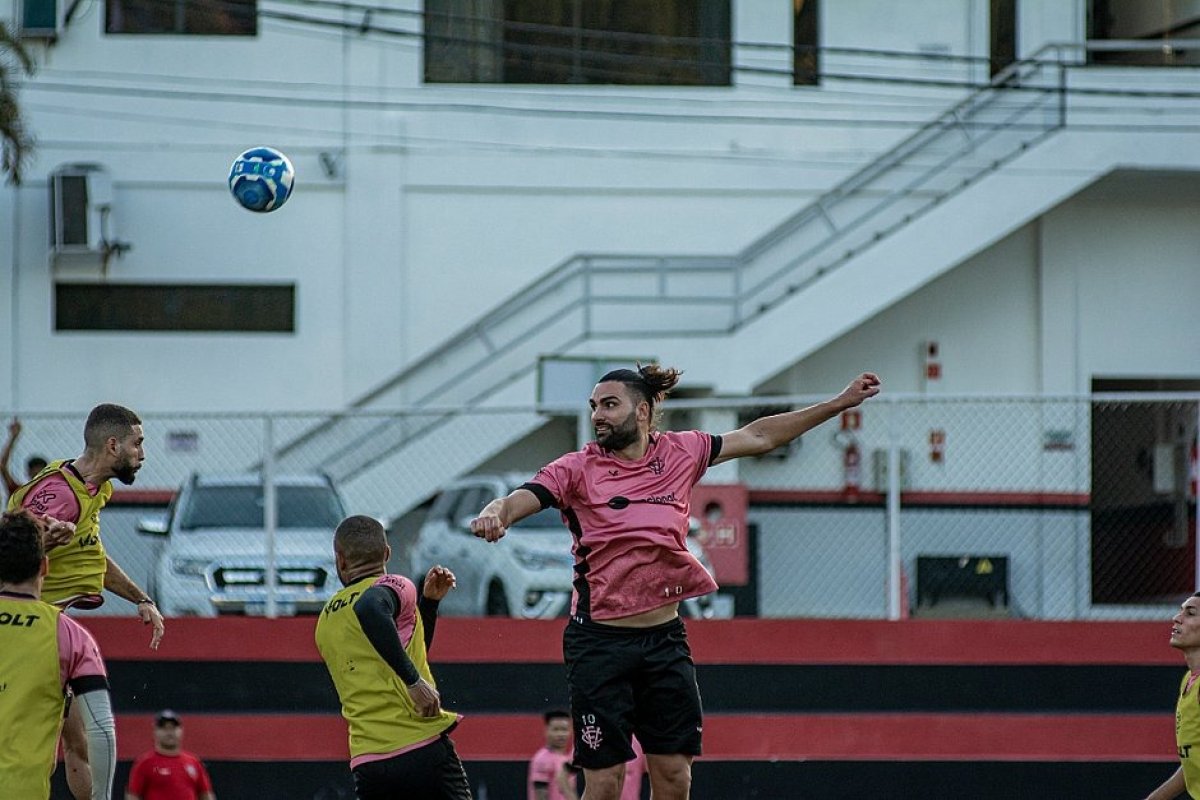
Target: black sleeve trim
88,683
714,451
428,608
376,611
541,493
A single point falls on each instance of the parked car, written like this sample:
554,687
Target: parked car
214,559
528,573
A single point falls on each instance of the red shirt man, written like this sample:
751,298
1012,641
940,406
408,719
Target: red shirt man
168,772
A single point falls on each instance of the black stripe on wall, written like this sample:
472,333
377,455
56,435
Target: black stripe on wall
249,687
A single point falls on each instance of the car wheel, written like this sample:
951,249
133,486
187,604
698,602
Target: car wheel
497,601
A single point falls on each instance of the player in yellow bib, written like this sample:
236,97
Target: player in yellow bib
68,496
1185,637
373,636
42,653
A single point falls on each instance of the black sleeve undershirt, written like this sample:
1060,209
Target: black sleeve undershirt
377,610
714,450
541,493
88,683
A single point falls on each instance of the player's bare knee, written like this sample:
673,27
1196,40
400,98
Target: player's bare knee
603,784
670,776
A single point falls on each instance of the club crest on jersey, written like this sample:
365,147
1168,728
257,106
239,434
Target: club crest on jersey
656,465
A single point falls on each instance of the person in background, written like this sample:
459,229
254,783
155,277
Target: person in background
550,776
43,653
168,772
1185,637
33,464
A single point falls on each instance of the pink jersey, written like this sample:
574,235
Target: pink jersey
406,591
53,497
632,788
630,523
544,768
78,655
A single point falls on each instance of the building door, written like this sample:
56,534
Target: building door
1143,503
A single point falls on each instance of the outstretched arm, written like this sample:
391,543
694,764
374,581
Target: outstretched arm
11,484
120,584
495,518
766,433
1170,789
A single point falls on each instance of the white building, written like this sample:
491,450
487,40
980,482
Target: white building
473,195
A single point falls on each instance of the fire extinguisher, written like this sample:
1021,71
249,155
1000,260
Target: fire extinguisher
852,470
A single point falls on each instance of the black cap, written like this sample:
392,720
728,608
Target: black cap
165,716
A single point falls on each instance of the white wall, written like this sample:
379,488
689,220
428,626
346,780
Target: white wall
447,198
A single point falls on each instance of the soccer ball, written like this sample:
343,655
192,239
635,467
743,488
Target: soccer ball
261,179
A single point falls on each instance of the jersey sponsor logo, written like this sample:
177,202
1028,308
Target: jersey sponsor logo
337,604
18,620
617,503
39,502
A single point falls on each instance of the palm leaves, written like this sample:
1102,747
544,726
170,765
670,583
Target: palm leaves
15,141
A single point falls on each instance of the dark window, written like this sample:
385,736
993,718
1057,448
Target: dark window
192,17
1157,25
169,307
1003,34
659,43
1143,504
806,43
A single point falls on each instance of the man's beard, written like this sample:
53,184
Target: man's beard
621,436
126,473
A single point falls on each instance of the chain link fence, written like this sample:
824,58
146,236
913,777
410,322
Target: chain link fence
1030,507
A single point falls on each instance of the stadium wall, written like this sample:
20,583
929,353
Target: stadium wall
818,709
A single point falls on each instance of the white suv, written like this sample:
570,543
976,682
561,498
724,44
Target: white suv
214,559
527,574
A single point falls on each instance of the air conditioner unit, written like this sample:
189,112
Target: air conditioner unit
42,19
81,199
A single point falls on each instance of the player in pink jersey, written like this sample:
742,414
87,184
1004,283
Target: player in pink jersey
550,776
626,499
43,653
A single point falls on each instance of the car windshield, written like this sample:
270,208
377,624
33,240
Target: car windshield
242,507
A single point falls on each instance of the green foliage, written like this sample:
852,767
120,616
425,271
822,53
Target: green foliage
15,141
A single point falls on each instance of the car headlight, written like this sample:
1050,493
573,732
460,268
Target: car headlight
538,559
190,566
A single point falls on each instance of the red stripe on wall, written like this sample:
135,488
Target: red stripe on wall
789,737
142,497
749,641
983,499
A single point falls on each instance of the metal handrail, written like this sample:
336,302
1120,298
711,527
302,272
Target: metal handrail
579,279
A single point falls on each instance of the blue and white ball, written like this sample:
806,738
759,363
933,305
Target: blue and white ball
261,179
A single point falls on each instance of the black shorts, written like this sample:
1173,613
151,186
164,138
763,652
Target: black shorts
432,772
631,681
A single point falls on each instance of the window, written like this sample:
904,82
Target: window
242,507
806,43
172,307
192,17
660,43
1155,24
